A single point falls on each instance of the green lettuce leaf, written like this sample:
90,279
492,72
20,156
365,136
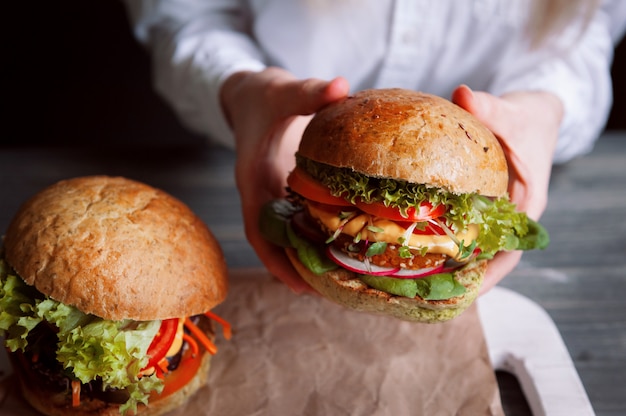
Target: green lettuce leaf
537,237
439,287
273,220
88,347
309,254
434,287
392,285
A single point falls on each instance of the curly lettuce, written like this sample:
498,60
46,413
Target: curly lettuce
502,227
88,347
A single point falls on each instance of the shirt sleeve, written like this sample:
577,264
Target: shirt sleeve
575,67
194,46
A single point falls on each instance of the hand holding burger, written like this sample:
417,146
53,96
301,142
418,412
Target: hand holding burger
106,291
527,123
268,111
397,201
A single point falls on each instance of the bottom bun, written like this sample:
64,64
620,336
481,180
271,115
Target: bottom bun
345,288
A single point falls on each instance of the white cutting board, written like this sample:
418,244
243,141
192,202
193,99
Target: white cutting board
523,340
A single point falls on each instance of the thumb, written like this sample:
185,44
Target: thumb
463,96
485,107
304,97
491,111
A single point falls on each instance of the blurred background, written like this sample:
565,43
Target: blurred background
72,74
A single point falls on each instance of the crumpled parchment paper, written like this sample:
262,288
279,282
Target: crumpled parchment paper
303,355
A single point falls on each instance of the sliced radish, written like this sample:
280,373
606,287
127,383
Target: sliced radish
417,273
358,266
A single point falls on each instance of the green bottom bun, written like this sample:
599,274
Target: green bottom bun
345,288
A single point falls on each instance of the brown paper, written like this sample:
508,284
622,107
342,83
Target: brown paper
303,355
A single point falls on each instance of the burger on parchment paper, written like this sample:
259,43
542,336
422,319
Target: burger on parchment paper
397,201
106,291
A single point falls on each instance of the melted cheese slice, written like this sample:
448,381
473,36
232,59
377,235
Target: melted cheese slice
391,233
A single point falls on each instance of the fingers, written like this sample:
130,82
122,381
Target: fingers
304,97
500,266
275,94
297,101
337,89
487,108
268,111
276,262
501,118
463,96
492,111
284,150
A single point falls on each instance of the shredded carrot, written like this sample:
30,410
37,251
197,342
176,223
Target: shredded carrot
75,393
163,365
226,328
192,344
206,342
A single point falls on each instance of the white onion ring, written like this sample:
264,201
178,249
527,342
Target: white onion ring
357,266
417,273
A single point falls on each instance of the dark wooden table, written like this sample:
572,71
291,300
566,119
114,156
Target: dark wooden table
580,279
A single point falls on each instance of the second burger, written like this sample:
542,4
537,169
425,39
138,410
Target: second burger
106,291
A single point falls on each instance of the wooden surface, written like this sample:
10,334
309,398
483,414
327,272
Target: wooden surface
580,280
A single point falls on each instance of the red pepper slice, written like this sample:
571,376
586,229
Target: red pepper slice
162,341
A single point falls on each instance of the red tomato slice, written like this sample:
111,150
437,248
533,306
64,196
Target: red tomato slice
162,341
302,183
426,211
179,378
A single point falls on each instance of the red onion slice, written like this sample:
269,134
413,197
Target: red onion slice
358,266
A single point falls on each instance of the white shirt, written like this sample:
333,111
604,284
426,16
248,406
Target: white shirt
426,45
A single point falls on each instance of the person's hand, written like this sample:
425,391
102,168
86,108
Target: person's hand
268,112
527,125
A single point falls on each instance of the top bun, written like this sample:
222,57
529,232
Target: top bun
408,135
118,249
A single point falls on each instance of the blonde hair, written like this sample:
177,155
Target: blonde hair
550,17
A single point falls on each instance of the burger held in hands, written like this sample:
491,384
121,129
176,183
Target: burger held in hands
397,202
106,291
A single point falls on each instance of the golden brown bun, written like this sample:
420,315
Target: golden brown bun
118,249
345,288
59,404
411,136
